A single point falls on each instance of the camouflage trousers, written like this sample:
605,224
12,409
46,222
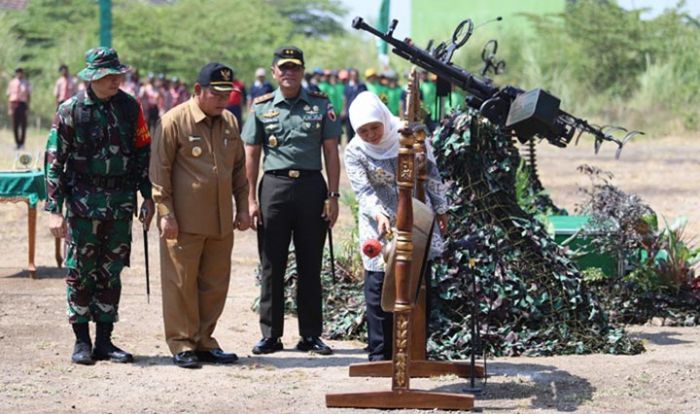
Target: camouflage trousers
96,253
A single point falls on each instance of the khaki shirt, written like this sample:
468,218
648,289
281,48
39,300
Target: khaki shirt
197,165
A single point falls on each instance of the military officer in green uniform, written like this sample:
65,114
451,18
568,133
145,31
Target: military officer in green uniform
292,127
96,160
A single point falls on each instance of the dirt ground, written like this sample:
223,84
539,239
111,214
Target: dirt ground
36,342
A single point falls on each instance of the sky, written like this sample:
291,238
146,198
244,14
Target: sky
369,10
400,9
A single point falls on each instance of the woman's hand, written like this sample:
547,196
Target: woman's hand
442,223
383,224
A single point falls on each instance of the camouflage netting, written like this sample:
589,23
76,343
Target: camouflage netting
530,294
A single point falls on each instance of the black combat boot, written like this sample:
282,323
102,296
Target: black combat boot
105,349
83,345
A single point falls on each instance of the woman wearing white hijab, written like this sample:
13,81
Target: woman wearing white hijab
371,163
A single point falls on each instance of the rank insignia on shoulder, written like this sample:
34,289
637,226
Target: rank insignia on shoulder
263,98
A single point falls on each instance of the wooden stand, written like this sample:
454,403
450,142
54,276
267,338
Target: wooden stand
31,236
401,395
420,365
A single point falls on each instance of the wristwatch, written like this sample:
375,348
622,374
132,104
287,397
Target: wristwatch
333,194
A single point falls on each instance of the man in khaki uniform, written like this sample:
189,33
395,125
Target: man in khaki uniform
197,167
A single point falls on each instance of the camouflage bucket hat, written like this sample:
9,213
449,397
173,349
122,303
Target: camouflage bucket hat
101,61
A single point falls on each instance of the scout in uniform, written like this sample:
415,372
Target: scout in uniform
96,160
292,127
197,169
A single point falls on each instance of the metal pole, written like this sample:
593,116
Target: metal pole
106,23
142,219
148,277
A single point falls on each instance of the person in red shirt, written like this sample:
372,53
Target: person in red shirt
149,96
19,93
65,86
237,99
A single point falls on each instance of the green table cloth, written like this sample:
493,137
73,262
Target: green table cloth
26,184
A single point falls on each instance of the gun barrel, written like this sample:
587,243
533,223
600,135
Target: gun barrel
406,50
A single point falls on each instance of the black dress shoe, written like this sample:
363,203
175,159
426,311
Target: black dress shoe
268,346
187,359
82,354
315,345
217,356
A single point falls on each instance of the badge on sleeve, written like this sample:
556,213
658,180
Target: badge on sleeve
330,112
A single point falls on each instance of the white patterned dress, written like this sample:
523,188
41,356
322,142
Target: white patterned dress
374,183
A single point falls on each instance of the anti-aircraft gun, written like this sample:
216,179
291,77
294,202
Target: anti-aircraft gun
515,111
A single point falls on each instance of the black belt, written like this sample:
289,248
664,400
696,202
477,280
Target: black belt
104,181
292,173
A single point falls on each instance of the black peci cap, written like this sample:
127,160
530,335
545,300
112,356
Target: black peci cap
288,54
217,76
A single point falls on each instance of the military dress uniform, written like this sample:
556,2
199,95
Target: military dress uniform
96,160
197,169
291,193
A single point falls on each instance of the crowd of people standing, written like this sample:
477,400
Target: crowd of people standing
158,93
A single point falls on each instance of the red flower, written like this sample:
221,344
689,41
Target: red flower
371,248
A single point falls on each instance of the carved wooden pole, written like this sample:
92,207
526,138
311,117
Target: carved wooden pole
413,116
421,164
404,252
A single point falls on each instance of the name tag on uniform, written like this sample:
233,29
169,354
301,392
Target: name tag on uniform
313,118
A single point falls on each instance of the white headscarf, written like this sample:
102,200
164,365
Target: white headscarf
366,108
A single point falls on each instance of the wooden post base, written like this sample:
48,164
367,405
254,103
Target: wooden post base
402,399
418,369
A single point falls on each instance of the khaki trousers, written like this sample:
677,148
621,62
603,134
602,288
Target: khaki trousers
195,274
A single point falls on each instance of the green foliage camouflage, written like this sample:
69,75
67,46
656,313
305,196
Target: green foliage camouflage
531,297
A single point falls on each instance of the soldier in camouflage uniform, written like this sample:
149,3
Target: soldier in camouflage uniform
96,159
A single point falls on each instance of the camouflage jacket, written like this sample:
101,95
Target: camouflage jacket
97,157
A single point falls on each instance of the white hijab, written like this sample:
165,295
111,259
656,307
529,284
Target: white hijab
366,108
